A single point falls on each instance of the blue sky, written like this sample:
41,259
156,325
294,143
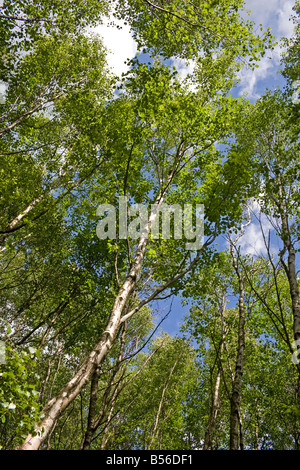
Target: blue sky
270,13
275,14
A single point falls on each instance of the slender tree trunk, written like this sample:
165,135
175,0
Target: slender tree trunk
159,410
118,389
290,266
105,435
236,395
68,393
92,409
13,224
291,273
216,394
213,414
93,421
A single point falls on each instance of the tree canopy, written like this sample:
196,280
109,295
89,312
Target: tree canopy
121,193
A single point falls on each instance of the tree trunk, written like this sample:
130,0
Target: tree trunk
213,414
216,394
92,409
93,420
236,395
291,273
290,267
165,388
68,393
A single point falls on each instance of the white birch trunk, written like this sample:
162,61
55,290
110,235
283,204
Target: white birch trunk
69,392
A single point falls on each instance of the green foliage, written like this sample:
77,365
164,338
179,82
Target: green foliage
188,29
19,385
156,418
73,137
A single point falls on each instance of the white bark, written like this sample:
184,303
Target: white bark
68,393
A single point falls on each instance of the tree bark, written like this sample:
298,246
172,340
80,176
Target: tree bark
159,410
68,393
236,395
291,273
208,439
93,421
290,266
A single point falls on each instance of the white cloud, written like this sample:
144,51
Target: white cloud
256,234
183,67
120,45
275,14
285,25
249,80
252,242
